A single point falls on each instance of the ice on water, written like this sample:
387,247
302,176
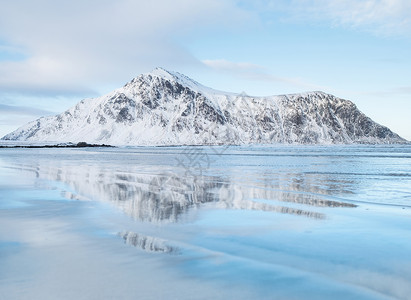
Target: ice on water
238,222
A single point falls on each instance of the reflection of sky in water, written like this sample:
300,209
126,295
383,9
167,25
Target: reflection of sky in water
254,221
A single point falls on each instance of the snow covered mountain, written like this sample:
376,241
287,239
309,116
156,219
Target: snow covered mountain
167,108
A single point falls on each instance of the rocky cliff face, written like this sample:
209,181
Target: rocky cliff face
165,108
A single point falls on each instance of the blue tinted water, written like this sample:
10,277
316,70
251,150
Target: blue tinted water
262,222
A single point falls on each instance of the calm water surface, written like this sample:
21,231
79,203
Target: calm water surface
260,222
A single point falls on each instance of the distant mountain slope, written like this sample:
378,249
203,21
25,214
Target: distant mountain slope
166,108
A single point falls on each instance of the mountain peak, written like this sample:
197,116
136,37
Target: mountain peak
163,73
173,76
183,80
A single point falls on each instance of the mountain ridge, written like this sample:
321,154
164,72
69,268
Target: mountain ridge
169,108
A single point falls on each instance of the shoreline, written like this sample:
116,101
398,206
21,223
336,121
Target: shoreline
68,145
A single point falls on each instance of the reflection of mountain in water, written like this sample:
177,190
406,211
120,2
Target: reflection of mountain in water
168,196
147,243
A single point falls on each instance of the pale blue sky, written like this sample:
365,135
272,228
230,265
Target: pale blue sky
53,54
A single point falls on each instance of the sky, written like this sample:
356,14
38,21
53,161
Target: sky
55,53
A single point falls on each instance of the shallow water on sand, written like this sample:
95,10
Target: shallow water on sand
249,222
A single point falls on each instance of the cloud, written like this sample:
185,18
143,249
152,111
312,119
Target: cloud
72,45
251,71
244,69
381,17
403,90
395,91
23,110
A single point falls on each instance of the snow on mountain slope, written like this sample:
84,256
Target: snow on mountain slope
167,108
